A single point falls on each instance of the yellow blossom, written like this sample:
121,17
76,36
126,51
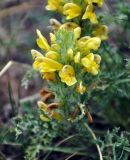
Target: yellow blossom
90,64
81,88
44,64
77,57
52,55
97,58
35,54
89,14
69,26
86,44
70,53
54,5
77,32
101,31
67,75
42,42
49,114
55,24
49,76
52,38
72,10
95,2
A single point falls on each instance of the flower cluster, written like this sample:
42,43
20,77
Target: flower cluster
69,64
70,55
84,9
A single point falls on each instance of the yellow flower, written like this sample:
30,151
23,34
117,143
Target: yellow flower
86,44
52,38
42,42
48,113
81,88
44,64
55,24
89,14
77,32
49,76
52,55
69,26
97,58
35,54
54,5
95,2
71,10
101,31
90,64
70,53
67,75
77,57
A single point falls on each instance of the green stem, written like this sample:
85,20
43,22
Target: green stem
94,137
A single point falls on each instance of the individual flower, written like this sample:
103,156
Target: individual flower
52,55
67,75
77,33
55,5
77,57
49,111
86,44
69,26
70,54
51,76
95,2
55,24
89,14
52,38
42,42
101,31
80,88
44,64
71,10
90,64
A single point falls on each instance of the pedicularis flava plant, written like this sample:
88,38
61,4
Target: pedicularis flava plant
70,60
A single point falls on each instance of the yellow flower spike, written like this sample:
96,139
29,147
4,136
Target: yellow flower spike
42,42
35,54
95,2
90,64
77,57
49,76
81,88
52,38
54,5
69,26
101,31
45,64
52,55
89,14
70,54
97,58
77,32
45,118
67,75
55,24
71,10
